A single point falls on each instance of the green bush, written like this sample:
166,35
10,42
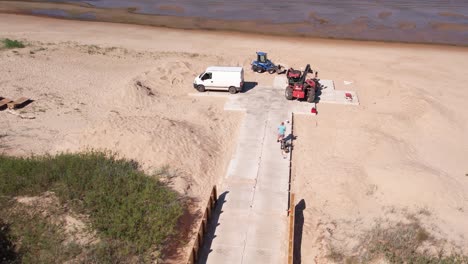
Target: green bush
7,248
12,44
124,204
39,241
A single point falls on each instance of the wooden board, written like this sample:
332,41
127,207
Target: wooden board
18,102
4,102
292,208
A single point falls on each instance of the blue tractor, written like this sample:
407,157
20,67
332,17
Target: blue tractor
262,64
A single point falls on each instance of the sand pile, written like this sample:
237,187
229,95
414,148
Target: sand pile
132,103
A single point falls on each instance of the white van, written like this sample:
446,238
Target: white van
220,78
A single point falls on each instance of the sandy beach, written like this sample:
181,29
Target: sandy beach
434,22
399,156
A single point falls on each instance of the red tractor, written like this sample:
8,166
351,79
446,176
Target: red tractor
299,86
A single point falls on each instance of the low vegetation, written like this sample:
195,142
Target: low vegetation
12,44
398,243
41,242
134,214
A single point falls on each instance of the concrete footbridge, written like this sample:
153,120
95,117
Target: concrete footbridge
250,223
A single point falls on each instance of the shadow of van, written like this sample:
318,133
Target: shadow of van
248,86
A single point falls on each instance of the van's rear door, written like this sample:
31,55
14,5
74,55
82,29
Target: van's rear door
242,79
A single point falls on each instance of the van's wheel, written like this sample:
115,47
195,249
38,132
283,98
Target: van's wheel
288,93
271,71
311,96
200,88
232,90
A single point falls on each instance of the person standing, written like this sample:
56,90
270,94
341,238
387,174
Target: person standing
281,132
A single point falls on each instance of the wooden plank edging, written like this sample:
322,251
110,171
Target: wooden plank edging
198,244
291,206
291,230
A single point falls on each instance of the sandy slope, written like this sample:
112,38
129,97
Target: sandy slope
133,103
401,154
403,149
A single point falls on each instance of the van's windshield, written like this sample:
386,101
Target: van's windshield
201,74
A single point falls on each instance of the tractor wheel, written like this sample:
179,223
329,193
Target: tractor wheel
271,71
232,90
288,93
254,68
200,88
311,95
260,70
280,69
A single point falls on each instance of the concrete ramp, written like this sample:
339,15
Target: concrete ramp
251,217
252,227
327,94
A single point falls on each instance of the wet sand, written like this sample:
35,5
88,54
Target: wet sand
427,23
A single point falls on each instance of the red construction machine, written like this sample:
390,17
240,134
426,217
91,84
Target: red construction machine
299,86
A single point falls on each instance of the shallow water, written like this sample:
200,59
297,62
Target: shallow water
414,21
